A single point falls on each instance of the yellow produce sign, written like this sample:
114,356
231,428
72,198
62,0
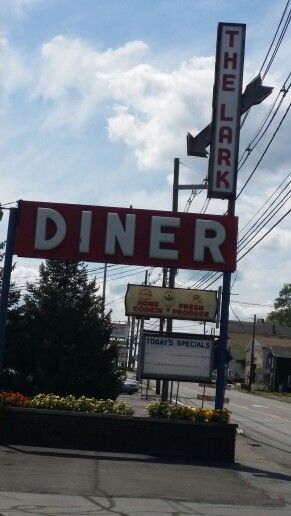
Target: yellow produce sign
177,303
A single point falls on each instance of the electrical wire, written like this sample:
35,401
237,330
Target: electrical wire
278,44
264,220
265,151
274,38
280,39
266,202
267,233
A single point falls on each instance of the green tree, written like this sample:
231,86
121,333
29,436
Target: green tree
65,346
282,304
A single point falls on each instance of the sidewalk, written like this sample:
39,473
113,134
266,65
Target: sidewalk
53,482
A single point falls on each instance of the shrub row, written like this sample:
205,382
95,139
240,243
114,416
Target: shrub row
155,409
54,402
165,410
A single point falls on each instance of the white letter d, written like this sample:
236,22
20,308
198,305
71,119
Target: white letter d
43,215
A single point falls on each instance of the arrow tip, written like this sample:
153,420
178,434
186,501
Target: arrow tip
193,148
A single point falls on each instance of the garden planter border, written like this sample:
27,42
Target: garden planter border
112,433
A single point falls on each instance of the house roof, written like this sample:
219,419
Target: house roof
266,328
239,343
268,342
281,352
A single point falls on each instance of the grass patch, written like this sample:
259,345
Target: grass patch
273,395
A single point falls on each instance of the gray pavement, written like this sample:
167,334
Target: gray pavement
50,482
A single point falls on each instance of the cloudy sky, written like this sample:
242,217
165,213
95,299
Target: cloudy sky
97,98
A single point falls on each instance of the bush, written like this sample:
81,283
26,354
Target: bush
54,402
181,412
166,410
158,409
201,415
218,415
12,399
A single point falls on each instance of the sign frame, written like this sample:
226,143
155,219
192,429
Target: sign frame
123,327
168,312
174,377
104,234
227,94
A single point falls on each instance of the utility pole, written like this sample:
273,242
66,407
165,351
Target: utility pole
131,342
140,331
161,327
252,354
104,287
173,270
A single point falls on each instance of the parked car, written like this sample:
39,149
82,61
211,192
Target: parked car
129,386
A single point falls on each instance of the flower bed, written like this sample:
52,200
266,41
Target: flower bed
72,403
163,410
98,425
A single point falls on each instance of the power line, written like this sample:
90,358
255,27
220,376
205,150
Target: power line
280,39
266,202
264,220
265,151
274,38
267,233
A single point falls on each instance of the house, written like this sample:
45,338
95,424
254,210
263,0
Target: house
279,358
269,341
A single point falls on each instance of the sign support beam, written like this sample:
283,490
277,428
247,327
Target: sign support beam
6,279
173,271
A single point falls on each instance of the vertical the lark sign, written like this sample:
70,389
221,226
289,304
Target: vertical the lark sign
222,170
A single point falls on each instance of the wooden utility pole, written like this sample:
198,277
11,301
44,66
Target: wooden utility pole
161,328
104,288
252,354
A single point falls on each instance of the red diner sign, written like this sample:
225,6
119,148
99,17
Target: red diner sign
127,236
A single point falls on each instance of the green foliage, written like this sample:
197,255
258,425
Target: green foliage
79,404
218,415
282,313
201,415
165,410
14,295
63,337
12,399
158,410
181,412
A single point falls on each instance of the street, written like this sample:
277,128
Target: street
265,421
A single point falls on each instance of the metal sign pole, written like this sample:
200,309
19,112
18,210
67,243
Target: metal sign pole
6,278
173,271
225,300
219,399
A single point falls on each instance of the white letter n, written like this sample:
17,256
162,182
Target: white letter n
115,232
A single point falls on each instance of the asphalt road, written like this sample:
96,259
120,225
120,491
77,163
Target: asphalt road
265,421
50,482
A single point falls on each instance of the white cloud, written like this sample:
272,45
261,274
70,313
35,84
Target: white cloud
278,240
151,107
15,73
